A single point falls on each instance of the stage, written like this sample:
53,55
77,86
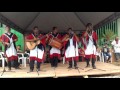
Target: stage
61,71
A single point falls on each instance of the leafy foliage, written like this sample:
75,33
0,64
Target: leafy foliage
107,37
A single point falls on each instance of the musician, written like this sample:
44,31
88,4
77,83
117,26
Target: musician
37,54
55,53
71,48
89,39
116,47
8,40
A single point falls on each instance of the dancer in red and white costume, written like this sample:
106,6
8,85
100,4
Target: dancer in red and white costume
8,40
37,54
89,39
55,53
71,48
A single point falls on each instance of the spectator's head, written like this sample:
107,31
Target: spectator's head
106,45
55,30
117,38
18,47
7,29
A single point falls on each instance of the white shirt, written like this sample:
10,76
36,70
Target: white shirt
116,46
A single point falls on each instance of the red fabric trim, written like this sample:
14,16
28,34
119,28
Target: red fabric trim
14,37
55,55
4,38
36,59
50,36
29,37
74,58
89,56
12,58
59,36
43,41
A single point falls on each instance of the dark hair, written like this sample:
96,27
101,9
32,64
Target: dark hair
8,26
35,27
69,29
54,28
89,24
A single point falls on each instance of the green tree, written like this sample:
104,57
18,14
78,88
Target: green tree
107,37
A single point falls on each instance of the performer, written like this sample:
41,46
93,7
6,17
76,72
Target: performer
89,39
116,46
36,54
71,48
55,53
8,40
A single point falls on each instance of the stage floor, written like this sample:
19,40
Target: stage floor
62,71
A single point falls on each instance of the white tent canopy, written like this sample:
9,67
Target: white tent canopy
46,20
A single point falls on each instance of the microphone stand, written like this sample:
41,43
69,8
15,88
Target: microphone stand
73,66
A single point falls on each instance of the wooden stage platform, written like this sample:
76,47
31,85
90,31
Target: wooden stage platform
62,71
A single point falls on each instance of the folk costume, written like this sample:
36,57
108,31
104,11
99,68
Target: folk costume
71,51
10,52
54,53
90,45
37,54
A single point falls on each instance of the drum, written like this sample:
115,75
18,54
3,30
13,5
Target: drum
55,42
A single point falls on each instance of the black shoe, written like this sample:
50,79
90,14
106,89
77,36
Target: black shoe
69,67
38,69
31,70
94,67
76,67
88,66
9,69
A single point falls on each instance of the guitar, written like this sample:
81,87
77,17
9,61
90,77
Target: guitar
32,44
